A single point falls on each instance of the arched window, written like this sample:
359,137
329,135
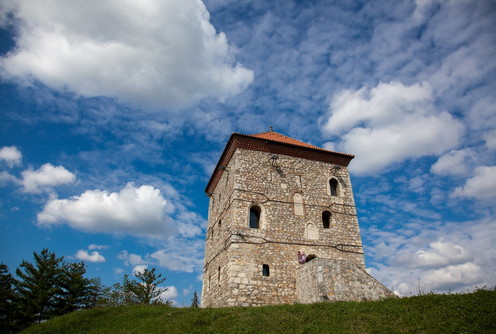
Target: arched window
312,233
333,187
326,219
265,270
298,204
255,212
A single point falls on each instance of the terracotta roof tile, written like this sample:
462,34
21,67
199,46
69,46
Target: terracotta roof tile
275,143
274,136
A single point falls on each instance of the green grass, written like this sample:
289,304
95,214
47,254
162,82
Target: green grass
457,313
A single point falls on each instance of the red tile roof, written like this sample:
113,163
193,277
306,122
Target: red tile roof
274,136
275,143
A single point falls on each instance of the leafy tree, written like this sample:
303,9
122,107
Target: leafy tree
8,300
111,296
39,286
194,302
145,290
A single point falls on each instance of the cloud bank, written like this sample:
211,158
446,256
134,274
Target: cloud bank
390,123
158,54
138,211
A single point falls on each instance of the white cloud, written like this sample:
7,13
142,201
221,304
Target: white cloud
455,162
131,259
11,155
387,102
118,271
181,255
6,178
93,257
169,294
482,185
139,269
389,124
94,246
160,54
439,253
44,178
138,211
404,261
465,273
490,139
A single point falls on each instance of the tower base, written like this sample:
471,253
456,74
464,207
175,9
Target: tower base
324,279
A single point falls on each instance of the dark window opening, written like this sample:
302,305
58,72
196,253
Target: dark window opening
218,275
333,185
265,270
326,219
255,217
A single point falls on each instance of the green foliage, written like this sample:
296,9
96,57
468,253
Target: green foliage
49,286
145,290
39,286
195,302
77,292
468,313
8,300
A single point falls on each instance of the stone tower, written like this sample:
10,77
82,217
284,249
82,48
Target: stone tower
271,197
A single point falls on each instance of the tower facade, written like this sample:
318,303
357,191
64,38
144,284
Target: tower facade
271,197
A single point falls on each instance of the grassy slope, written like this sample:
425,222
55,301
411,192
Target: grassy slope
468,313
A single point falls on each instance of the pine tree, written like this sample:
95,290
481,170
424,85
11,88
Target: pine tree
146,290
194,302
8,300
77,292
39,287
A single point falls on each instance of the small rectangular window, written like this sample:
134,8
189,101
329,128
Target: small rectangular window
265,270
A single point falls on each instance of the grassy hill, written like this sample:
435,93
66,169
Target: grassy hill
457,313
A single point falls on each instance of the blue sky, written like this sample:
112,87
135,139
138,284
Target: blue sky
113,115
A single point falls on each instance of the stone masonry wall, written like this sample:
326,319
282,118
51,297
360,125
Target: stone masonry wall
336,280
292,194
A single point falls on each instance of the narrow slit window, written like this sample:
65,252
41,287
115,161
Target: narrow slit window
218,275
326,219
255,217
265,270
333,186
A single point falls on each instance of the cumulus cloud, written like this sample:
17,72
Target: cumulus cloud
6,178
44,178
93,257
154,53
184,255
131,259
169,294
138,211
11,155
439,253
482,185
420,256
390,123
455,162
139,269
